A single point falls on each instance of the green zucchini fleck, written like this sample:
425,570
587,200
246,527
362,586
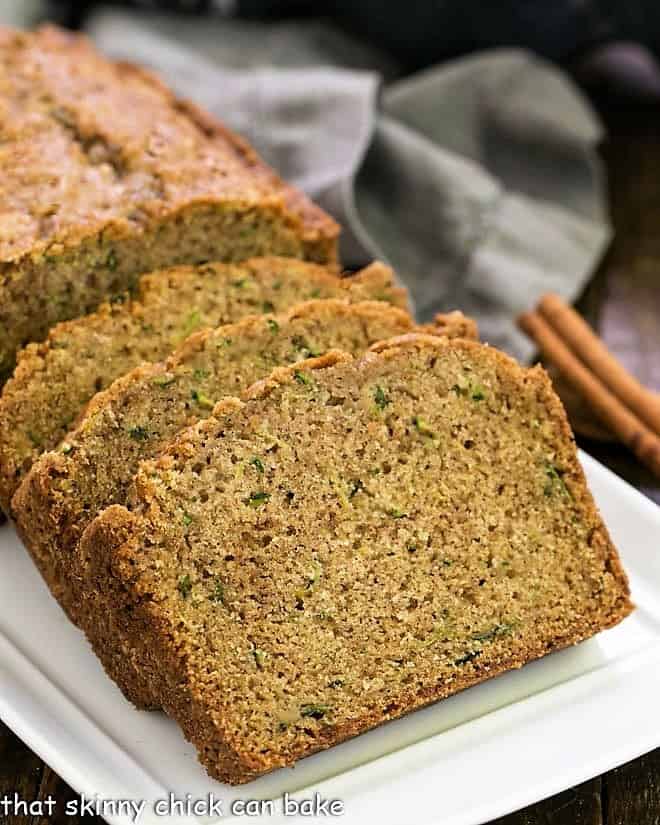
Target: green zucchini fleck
203,400
302,378
185,586
314,711
257,463
317,572
303,346
381,398
138,433
394,512
257,499
218,594
422,427
468,657
475,391
555,481
356,487
441,633
273,325
191,323
488,635
111,261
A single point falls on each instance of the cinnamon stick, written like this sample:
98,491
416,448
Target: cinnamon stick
632,432
584,342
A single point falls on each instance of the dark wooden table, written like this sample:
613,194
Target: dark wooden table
623,302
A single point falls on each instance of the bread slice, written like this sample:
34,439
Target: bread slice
355,540
55,379
104,175
142,411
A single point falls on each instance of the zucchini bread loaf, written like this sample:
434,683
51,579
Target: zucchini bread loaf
355,540
142,411
104,174
55,379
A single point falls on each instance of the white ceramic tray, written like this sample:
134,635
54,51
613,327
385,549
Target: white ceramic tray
476,756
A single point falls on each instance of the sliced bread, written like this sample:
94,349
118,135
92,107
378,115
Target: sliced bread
355,540
142,411
55,379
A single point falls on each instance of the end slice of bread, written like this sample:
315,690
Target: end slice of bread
105,175
355,540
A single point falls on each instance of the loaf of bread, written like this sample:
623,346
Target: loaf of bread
354,540
104,175
141,412
55,379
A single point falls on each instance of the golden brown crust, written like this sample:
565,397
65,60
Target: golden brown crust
576,479
455,324
143,181
378,271
118,540
318,226
126,108
284,375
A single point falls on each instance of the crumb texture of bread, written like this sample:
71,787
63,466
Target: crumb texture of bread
355,540
104,175
142,411
54,380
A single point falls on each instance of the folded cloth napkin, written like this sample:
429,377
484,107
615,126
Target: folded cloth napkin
22,13
477,180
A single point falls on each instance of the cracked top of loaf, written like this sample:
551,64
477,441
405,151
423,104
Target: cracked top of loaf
85,141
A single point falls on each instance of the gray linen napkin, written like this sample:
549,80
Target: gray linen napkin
477,180
21,13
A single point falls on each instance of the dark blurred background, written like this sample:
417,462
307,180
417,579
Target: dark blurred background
609,46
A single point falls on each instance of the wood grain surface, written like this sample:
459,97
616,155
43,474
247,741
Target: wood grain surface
623,303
